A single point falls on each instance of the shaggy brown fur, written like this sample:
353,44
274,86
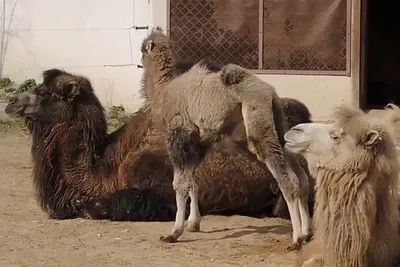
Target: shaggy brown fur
205,104
355,165
80,170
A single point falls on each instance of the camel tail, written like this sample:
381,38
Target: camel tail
131,205
263,109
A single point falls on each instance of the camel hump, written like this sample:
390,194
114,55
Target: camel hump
209,65
232,74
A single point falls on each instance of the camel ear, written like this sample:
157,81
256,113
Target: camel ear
371,137
391,106
71,90
149,46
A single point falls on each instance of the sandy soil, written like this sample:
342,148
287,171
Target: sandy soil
29,238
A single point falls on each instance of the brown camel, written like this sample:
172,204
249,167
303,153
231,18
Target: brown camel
202,106
355,164
80,170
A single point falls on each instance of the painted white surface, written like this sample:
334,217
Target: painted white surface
96,38
320,93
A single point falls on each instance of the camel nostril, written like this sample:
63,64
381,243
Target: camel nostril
297,129
12,100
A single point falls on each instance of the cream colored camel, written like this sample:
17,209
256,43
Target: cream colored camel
354,161
390,115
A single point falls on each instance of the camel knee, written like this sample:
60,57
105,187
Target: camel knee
298,173
285,177
289,190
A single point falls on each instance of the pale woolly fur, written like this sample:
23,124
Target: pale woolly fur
356,217
202,106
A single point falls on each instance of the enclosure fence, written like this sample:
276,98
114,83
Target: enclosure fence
268,36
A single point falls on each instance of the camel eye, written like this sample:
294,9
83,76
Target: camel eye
335,137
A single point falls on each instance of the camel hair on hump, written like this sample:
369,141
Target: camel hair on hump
79,170
200,107
354,162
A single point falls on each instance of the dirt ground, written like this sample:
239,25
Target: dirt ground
29,238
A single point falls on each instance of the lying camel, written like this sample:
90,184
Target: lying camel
355,164
80,170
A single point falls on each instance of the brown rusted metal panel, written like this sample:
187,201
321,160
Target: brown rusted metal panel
310,37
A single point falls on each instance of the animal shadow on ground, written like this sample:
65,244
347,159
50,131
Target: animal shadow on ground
248,230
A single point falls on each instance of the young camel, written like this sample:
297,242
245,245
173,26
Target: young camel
295,112
355,165
205,104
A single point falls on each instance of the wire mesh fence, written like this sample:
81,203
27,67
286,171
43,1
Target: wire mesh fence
270,35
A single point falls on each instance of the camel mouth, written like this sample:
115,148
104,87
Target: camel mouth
296,142
14,111
296,147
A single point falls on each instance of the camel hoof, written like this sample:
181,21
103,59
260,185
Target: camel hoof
168,239
294,247
193,227
307,238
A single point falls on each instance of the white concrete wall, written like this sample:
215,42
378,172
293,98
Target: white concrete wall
95,38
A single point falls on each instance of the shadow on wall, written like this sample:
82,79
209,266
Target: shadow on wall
5,31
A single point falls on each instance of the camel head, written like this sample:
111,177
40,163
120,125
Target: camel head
391,106
156,43
58,92
352,140
390,115
24,104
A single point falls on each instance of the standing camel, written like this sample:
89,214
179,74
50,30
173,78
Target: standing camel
355,164
205,104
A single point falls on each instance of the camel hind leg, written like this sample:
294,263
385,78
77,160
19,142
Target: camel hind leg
304,191
265,142
266,125
186,152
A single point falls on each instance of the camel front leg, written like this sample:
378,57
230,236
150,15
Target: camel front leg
181,187
194,216
186,152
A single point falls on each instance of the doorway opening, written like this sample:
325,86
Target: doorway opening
380,54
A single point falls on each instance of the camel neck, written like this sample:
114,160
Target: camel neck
157,77
346,215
